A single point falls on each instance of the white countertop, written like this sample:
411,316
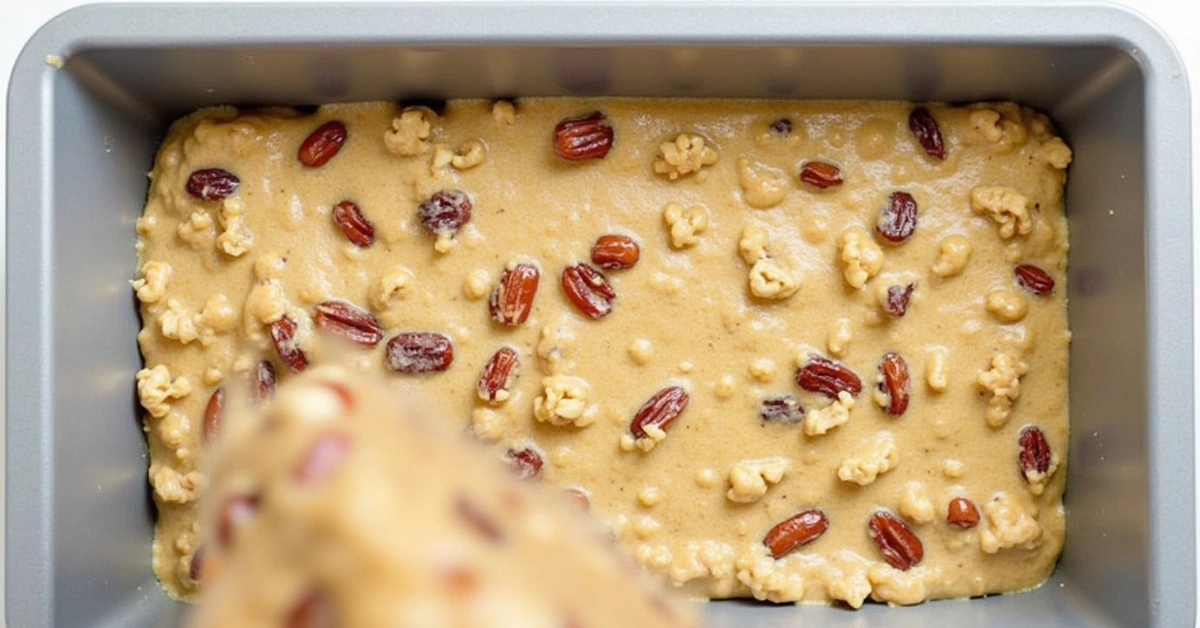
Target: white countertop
1179,19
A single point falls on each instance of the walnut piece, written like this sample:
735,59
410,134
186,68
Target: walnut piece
998,126
391,285
477,284
1003,381
873,457
685,225
151,283
688,153
1056,153
953,254
937,373
769,280
553,341
265,304
749,479
640,350
1007,525
156,389
821,420
488,424
564,402
217,317
840,334
762,369
504,113
767,579
753,244
915,503
269,266
197,231
893,586
861,256
410,132
762,185
1006,306
470,154
235,239
174,487
1006,206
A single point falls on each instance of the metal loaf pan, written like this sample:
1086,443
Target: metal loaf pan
82,137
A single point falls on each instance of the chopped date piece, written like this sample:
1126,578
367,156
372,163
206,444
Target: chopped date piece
584,137
264,381
349,218
345,397
895,540
579,498
893,383
1035,451
526,462
660,410
962,513
214,414
1034,279
615,252
235,511
925,129
795,531
897,219
212,184
822,375
445,212
419,352
474,517
311,611
349,322
820,174
322,144
283,333
781,409
459,578
589,290
897,300
196,566
512,299
499,375
323,458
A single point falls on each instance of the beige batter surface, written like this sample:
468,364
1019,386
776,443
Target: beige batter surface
314,503
747,269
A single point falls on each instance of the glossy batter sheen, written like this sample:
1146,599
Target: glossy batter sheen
745,271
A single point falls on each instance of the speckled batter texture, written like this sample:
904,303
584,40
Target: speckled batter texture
747,269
